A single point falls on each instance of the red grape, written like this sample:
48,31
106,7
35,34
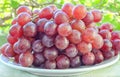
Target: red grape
37,46
53,7
88,58
16,58
105,34
67,8
14,21
75,62
109,54
75,36
79,12
84,47
64,29
40,24
61,42
116,44
50,64
60,17
97,15
50,28
11,39
30,29
23,9
26,59
50,53
2,48
46,12
78,25
36,12
63,62
106,26
115,35
23,18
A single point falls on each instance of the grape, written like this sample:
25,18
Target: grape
38,59
91,25
50,53
115,35
88,19
116,52
105,34
75,36
23,18
78,25
23,9
97,44
84,47
11,39
36,12
88,58
60,17
97,15
64,29
89,35
71,51
16,30
26,59
16,58
67,8
46,12
53,7
109,54
75,62
98,56
16,49
9,51
29,29
50,64
50,28
24,44
48,41
106,26
63,62
116,44
61,42
107,46
3,47
40,24
79,12
14,21
37,46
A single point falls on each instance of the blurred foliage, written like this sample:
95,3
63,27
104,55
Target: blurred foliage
110,9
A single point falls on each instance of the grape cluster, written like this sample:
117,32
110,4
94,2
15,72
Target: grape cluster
63,38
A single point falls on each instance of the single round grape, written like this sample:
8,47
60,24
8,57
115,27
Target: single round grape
75,37
64,29
79,12
16,30
38,59
109,54
2,49
63,62
46,12
50,53
88,58
116,44
88,19
75,62
61,42
40,24
107,46
97,15
50,28
37,46
9,52
98,56
60,17
11,39
23,9
14,21
106,26
71,51
115,35
30,29
26,59
67,8
106,34
50,64
97,44
23,18
89,35
16,49
48,41
84,47
78,25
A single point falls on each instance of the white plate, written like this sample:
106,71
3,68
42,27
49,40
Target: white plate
60,72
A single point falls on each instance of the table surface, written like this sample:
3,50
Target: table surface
111,71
